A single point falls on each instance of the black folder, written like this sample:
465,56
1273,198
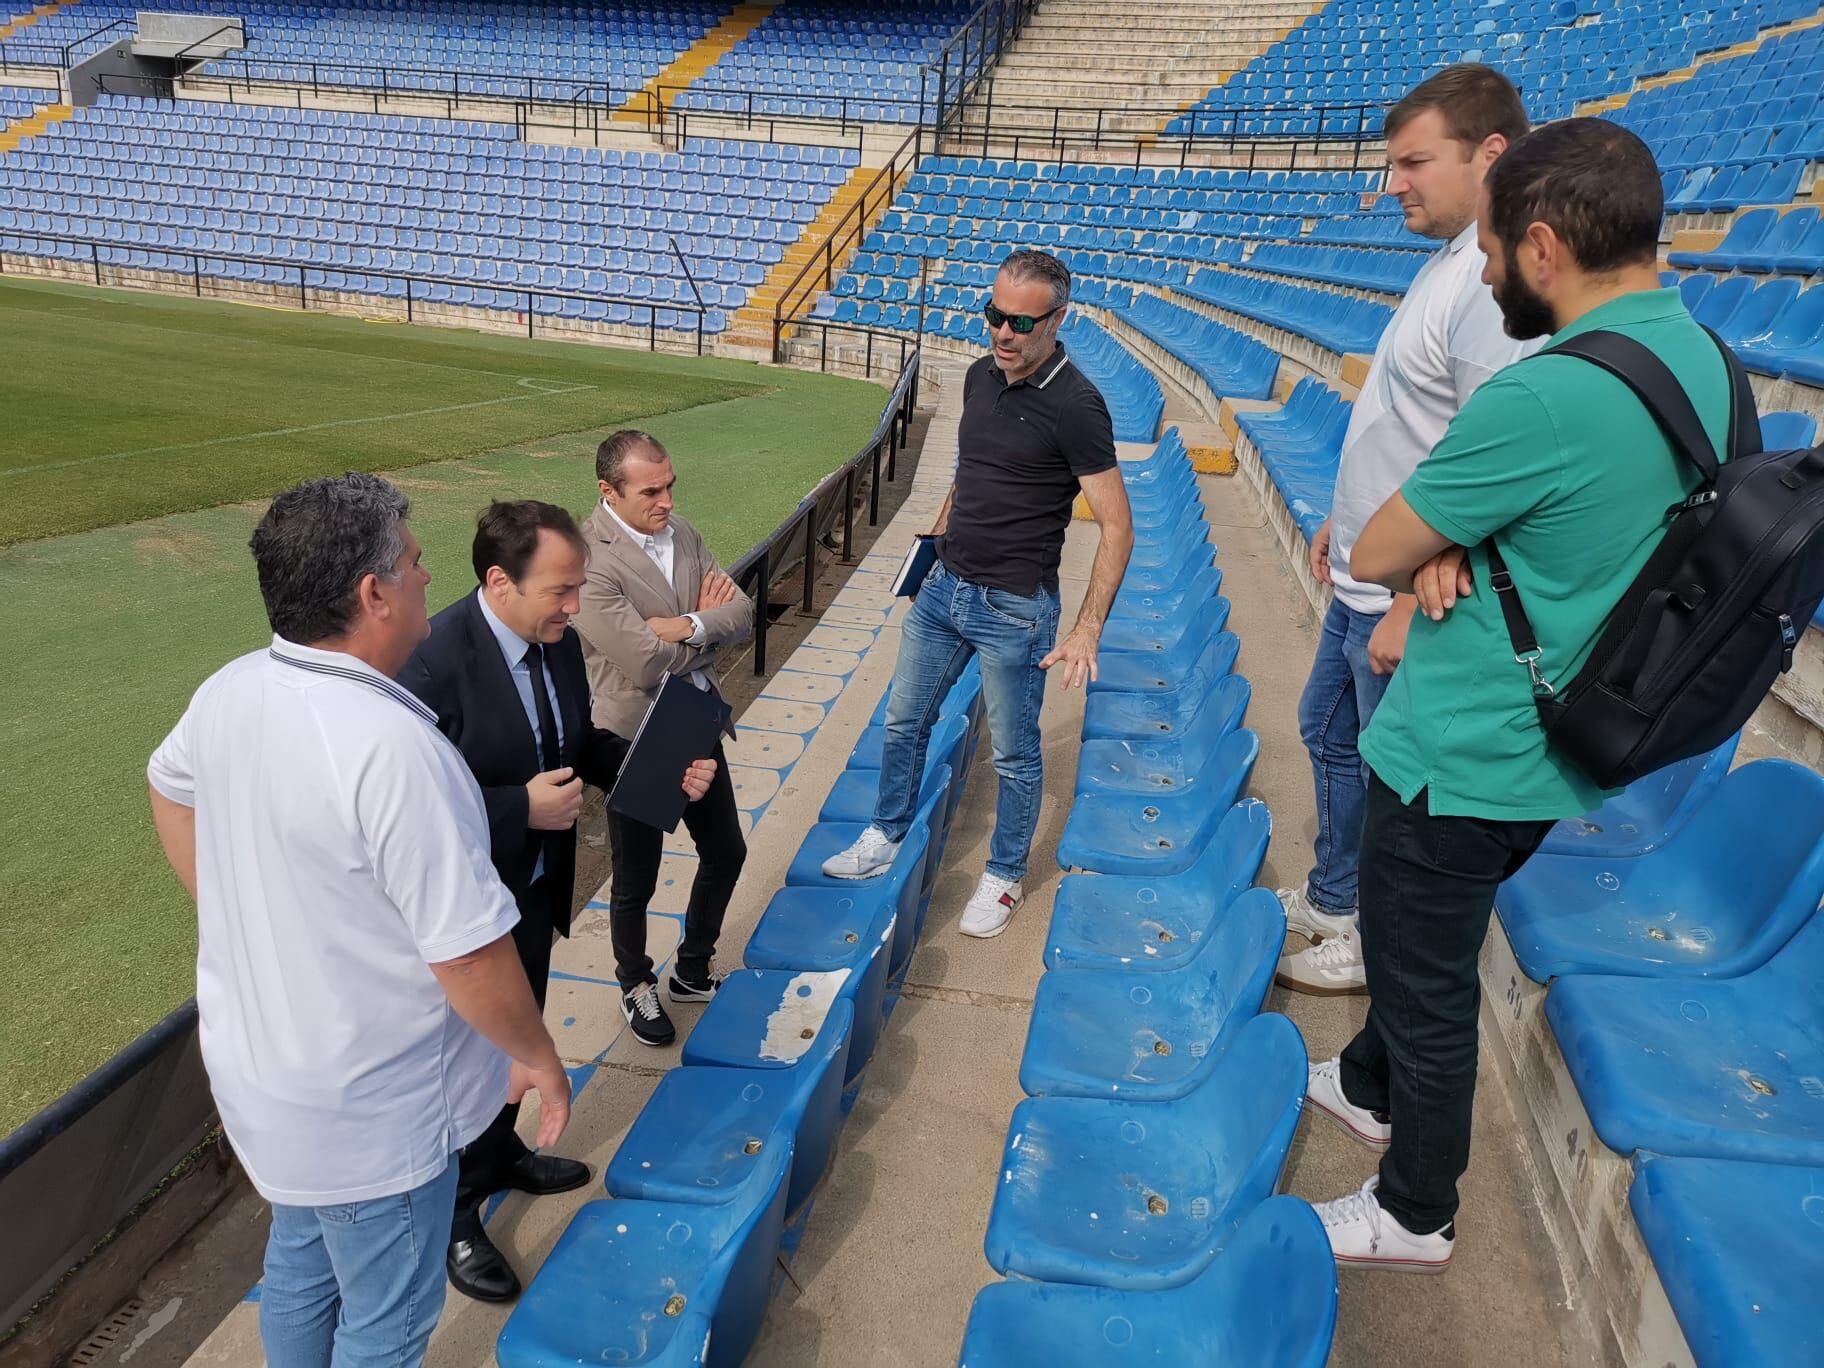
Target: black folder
920,557
683,725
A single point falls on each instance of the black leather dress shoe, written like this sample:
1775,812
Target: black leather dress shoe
543,1174
477,1269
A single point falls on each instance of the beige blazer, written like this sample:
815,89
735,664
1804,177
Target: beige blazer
623,587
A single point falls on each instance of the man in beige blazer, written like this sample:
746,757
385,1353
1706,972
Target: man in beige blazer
656,603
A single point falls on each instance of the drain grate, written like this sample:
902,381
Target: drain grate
107,1334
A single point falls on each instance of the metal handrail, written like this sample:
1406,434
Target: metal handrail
186,50
74,43
848,230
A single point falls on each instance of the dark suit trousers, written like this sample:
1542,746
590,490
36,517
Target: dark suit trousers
485,1159
636,851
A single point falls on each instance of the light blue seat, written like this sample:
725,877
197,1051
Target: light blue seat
1147,579
853,795
1719,1069
1269,1298
1160,671
1168,766
1143,1195
1647,812
655,1282
830,838
1156,923
1196,588
1121,834
701,1134
1693,907
1151,1035
1164,638
1739,1252
1161,714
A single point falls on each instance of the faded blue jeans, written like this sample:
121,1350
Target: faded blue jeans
1340,696
951,620
359,1285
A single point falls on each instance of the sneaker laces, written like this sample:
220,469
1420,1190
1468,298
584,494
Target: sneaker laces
1356,1208
1334,952
645,1002
871,842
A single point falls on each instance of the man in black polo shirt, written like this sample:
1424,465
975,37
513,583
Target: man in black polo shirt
1034,431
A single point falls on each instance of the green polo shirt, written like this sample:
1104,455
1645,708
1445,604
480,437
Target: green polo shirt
1562,465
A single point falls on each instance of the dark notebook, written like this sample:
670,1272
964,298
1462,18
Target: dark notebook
920,557
683,725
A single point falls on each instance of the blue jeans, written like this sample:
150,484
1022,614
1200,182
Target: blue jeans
358,1285
1340,696
951,620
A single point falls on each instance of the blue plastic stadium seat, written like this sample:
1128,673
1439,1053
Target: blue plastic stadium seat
1198,586
1156,923
1122,834
1161,714
853,796
1165,766
1788,431
702,1132
1158,671
1738,1252
1269,1298
655,1282
1720,1069
829,838
1168,639
1693,907
1143,1195
1144,1034
1648,811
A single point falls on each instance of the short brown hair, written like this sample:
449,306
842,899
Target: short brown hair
1476,101
506,534
611,456
1592,182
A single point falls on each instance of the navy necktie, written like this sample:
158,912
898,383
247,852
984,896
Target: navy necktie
549,753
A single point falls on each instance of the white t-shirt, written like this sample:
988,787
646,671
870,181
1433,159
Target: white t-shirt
1445,339
341,848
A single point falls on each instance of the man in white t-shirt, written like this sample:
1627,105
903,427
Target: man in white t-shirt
1445,339
363,1012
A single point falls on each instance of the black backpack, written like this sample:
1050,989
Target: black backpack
1714,615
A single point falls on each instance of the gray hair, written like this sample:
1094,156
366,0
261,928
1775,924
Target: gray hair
316,544
611,456
1031,265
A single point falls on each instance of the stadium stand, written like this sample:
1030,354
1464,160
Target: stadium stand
357,200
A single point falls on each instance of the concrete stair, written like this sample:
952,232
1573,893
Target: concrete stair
1081,66
752,324
15,27
690,65
32,125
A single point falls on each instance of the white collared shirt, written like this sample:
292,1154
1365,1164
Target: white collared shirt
341,849
513,649
1445,339
662,547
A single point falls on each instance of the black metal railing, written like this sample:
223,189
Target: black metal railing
30,54
108,262
388,81
970,54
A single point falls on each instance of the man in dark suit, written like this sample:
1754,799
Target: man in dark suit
503,669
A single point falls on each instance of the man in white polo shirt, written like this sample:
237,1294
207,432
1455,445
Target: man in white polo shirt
1445,339
363,1010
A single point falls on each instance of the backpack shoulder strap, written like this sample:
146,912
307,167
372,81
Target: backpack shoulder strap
1654,384
1744,416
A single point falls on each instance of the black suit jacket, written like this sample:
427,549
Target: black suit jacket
461,675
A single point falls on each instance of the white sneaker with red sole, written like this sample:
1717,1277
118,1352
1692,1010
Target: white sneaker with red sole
1363,1235
990,907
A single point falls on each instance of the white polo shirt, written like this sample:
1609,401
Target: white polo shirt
341,848
1445,339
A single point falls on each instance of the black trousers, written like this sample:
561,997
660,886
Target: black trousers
635,851
486,1158
1427,889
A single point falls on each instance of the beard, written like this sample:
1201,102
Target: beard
1524,314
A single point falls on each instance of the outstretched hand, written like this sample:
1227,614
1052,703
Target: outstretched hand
1077,654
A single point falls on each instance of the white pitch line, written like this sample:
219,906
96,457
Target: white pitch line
540,389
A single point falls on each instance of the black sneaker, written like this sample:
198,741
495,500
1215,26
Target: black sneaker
646,1015
695,990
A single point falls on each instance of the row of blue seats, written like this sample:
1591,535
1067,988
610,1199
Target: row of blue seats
1774,328
1683,997
1218,237
1232,364
1710,190
1336,323
1131,391
1354,267
714,1182
1787,241
1136,1190
1299,445
1198,178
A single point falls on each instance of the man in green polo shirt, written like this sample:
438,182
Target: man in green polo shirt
1564,468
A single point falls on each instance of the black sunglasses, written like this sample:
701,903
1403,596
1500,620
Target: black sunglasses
1020,323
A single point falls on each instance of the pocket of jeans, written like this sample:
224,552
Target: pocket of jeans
343,1213
1021,611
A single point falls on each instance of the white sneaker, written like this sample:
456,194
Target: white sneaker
1324,1092
1308,919
991,907
1331,968
870,855
1365,1236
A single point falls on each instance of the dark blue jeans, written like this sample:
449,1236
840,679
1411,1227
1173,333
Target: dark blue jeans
1339,698
951,620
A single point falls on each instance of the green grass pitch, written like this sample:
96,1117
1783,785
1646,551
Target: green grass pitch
142,435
